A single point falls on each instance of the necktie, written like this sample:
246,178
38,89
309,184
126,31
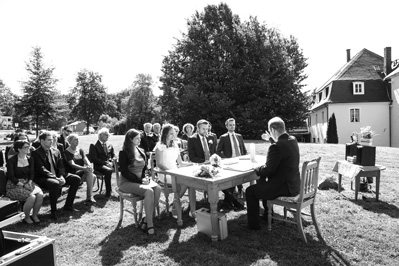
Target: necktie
50,161
105,148
206,149
235,144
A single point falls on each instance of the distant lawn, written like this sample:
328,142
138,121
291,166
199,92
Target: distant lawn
355,232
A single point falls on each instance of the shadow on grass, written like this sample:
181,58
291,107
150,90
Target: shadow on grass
377,206
281,246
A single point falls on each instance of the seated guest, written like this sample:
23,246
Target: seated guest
133,163
36,143
157,131
63,138
148,140
279,176
200,148
177,139
230,145
50,174
57,145
102,155
77,163
188,131
10,150
167,154
20,185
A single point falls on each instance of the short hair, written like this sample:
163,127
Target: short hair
202,122
147,124
20,134
103,130
228,120
165,131
45,134
156,124
277,123
72,136
187,125
19,144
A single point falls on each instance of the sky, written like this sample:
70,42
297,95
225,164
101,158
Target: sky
122,38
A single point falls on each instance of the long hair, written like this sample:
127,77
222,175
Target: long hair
164,133
128,143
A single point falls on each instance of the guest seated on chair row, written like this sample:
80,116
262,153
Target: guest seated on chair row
77,163
50,174
102,154
133,165
20,185
10,151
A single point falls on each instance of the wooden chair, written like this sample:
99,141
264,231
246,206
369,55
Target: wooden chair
306,197
134,199
99,176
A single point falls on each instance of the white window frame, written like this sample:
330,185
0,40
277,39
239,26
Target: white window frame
358,115
358,88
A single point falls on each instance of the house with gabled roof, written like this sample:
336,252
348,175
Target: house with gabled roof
358,96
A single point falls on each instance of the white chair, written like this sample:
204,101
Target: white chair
306,197
134,199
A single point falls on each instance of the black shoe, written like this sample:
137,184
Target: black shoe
54,216
249,227
69,209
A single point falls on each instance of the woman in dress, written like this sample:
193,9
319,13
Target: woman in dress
10,151
20,185
167,154
188,131
133,165
77,163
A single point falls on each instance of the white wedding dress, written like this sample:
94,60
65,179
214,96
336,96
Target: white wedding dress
169,159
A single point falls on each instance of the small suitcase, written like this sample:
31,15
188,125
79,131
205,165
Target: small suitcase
8,208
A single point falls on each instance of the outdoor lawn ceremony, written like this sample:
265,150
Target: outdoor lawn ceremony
199,133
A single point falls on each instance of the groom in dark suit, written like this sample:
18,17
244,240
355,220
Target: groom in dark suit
50,174
279,176
230,145
101,154
200,148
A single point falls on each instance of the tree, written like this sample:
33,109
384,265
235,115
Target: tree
142,102
61,114
225,68
332,133
36,103
88,98
7,100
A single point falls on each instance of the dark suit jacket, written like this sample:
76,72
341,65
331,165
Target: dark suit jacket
282,164
195,150
1,158
12,164
225,149
148,142
124,162
62,141
42,166
98,156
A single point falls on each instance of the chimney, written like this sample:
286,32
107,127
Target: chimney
387,60
348,55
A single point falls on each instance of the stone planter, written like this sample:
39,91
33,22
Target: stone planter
366,142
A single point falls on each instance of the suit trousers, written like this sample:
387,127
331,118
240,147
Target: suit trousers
262,190
53,186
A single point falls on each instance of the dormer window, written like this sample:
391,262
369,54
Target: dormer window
358,88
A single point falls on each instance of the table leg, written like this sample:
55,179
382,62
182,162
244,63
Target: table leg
377,185
357,185
176,200
193,200
213,201
339,182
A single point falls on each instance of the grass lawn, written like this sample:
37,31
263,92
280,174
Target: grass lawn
355,232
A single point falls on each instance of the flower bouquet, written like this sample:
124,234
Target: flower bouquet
209,171
367,133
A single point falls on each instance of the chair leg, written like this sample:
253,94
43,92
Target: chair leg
269,216
166,194
102,183
312,211
141,210
134,205
121,209
98,185
285,213
299,224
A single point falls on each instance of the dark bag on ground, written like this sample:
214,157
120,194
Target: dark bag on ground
8,208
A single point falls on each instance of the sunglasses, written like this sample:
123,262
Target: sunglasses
69,131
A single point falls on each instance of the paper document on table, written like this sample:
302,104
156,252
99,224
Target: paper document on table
243,166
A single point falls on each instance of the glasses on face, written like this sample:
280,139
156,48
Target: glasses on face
69,131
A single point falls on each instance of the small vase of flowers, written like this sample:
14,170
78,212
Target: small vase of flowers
209,171
366,136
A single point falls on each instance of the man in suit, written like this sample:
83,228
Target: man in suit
200,148
230,145
50,174
62,139
148,140
101,155
279,176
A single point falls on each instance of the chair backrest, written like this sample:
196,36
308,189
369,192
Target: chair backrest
309,179
118,180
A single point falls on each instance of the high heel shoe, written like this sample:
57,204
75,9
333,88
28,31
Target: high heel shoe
143,225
